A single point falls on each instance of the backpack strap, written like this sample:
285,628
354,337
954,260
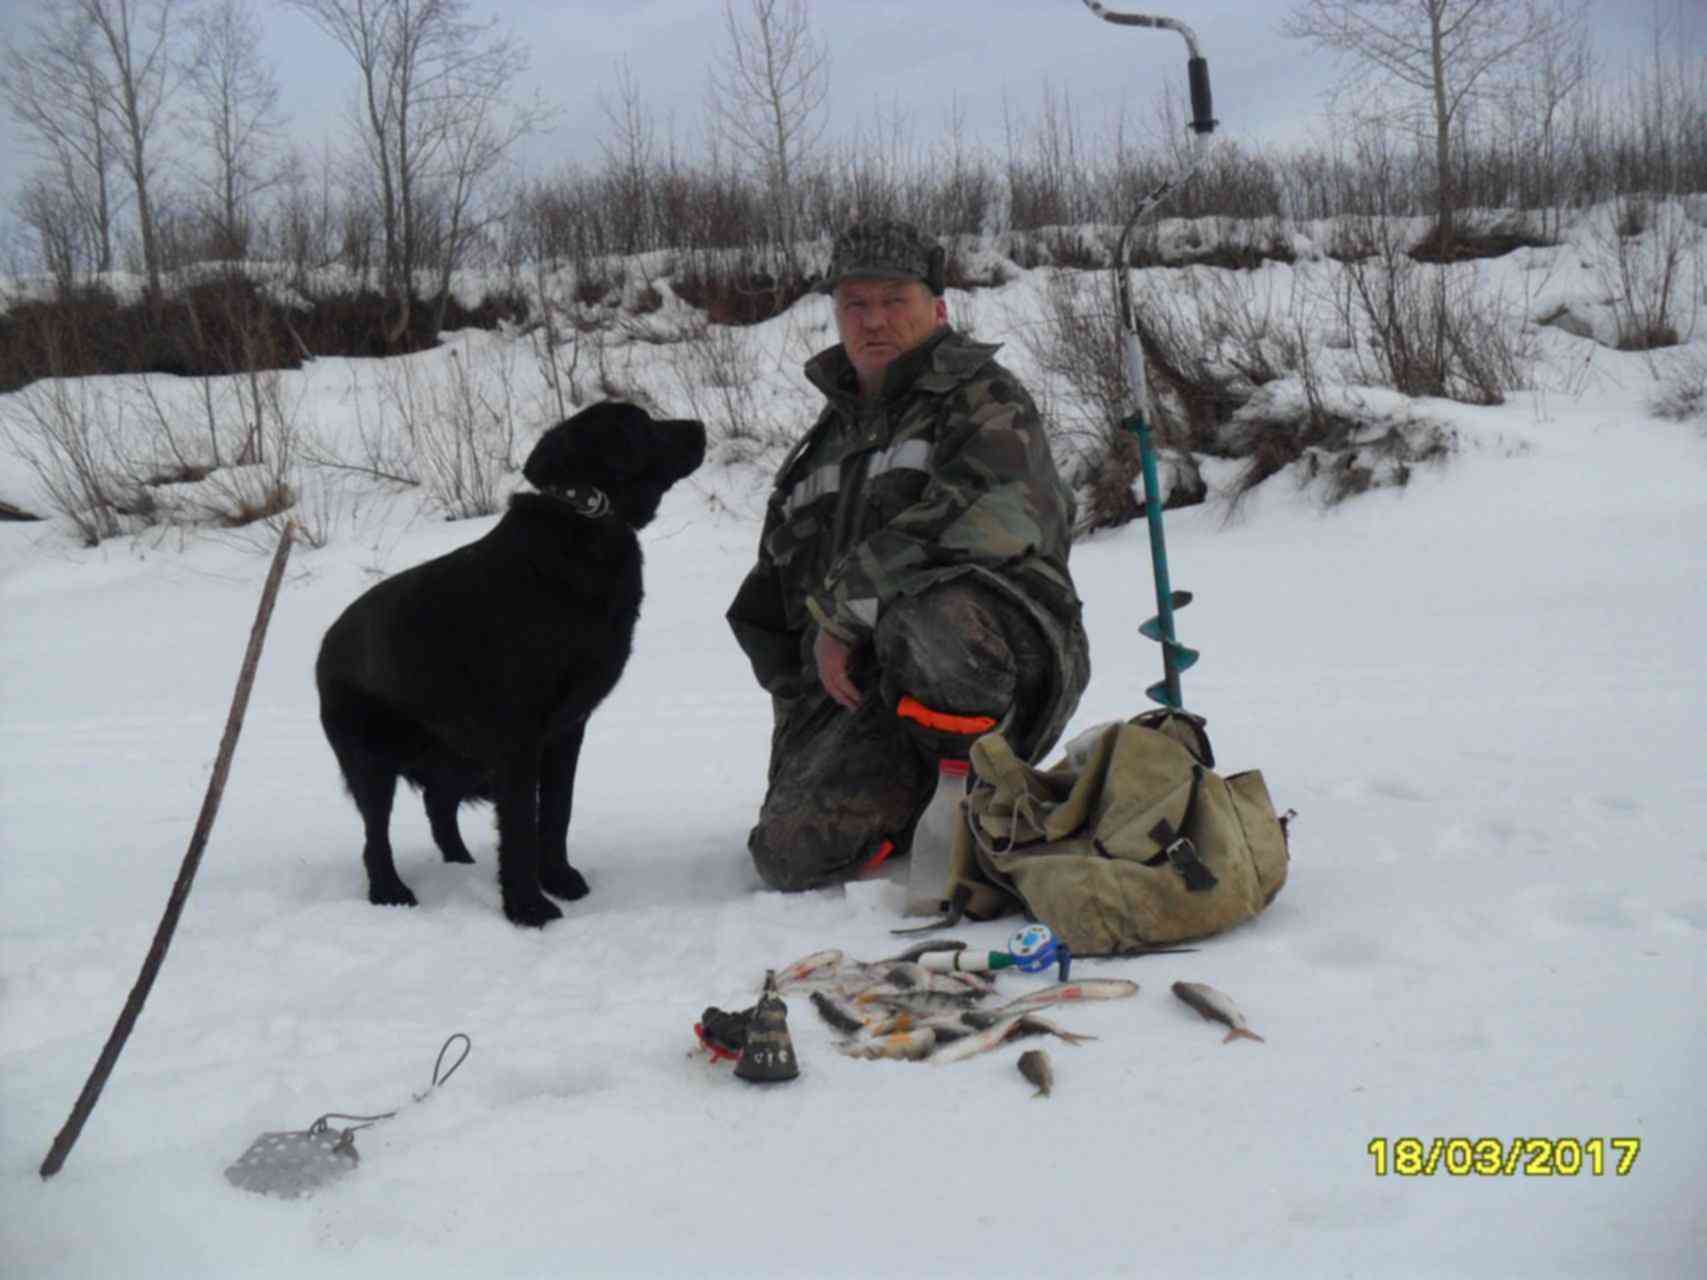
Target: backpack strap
1177,847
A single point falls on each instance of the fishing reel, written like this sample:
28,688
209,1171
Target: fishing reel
1035,947
1032,950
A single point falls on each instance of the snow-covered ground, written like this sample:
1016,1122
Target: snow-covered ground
1483,694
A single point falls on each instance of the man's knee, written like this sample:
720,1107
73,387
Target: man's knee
804,842
966,655
793,856
841,783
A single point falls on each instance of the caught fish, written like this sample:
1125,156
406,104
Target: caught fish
809,972
1011,1027
948,1027
1034,1066
838,1013
900,1009
906,977
900,978
1216,1007
1032,1025
905,1046
1067,992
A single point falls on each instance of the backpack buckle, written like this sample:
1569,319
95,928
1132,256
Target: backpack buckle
1181,854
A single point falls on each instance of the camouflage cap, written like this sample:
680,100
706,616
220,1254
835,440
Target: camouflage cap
884,249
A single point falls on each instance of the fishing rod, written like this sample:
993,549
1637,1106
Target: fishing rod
1176,657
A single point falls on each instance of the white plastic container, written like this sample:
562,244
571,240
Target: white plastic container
927,872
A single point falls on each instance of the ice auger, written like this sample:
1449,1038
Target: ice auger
1176,657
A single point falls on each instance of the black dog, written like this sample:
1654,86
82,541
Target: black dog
473,675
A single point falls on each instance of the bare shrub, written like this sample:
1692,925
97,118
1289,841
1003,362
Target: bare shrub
230,498
1235,374
739,287
173,459
459,431
1079,346
1076,346
717,371
1683,390
265,489
1648,260
383,449
964,199
1078,343
1211,338
558,358
551,336
1429,330
65,430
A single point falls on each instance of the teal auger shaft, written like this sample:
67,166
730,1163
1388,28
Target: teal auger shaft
1175,656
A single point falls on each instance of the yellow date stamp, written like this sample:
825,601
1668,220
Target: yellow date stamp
1504,1157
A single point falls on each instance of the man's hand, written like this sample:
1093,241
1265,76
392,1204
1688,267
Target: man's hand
833,656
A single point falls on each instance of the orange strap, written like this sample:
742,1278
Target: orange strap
879,858
943,721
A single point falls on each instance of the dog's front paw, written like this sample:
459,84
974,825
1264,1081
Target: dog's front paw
533,913
563,882
391,893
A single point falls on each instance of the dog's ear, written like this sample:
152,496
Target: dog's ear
604,439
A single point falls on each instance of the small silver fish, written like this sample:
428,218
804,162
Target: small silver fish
1034,1066
1216,1007
1010,1027
1068,992
815,972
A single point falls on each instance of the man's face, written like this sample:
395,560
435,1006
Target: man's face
881,320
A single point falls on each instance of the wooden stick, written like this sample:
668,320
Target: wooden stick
186,874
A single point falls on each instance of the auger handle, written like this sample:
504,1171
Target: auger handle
1202,101
1197,66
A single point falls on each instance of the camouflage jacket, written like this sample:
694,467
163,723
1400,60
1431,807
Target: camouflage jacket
947,474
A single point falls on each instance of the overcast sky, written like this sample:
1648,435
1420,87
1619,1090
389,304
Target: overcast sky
918,55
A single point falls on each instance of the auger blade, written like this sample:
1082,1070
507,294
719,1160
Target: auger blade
1153,628
1176,658
1184,659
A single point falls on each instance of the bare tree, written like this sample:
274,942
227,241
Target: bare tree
236,116
480,128
630,146
432,116
306,212
1564,64
56,223
1451,52
56,88
766,94
137,38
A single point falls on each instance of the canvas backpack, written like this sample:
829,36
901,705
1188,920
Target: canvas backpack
1130,841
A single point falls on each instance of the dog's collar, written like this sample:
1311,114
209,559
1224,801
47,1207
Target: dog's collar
583,499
